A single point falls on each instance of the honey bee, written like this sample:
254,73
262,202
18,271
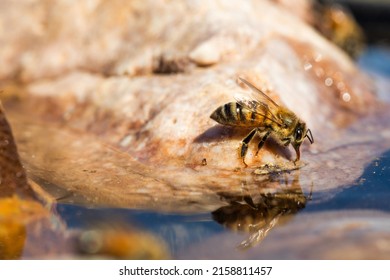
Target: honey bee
266,118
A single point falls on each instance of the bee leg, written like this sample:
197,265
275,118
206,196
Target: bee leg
262,141
244,145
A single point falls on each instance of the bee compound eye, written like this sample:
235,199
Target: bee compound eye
298,133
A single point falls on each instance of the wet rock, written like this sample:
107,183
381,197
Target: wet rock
28,230
12,175
19,206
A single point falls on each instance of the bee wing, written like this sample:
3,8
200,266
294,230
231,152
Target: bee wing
259,95
257,107
260,233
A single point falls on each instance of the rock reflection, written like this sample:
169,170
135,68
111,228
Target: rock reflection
258,214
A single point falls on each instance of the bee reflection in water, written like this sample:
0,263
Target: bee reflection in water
258,215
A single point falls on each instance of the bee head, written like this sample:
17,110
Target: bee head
300,132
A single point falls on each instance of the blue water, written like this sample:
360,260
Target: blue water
376,59
176,230
371,190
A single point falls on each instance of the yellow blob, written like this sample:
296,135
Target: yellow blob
15,213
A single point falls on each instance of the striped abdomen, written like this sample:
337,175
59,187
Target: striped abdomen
234,114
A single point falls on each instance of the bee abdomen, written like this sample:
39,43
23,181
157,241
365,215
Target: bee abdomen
232,114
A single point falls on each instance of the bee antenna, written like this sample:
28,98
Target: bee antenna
310,136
